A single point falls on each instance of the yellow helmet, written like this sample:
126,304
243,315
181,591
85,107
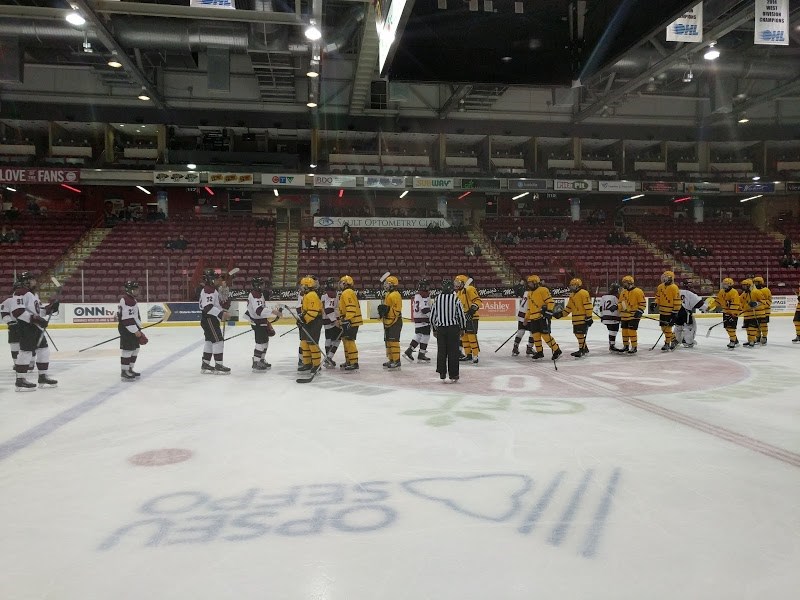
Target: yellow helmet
346,281
627,280
575,283
747,282
727,283
759,280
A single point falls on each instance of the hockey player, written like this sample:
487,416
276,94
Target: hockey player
668,299
520,291
753,308
391,313
309,323
727,300
31,319
6,308
214,312
537,318
632,305
349,320
763,324
260,323
580,307
131,336
421,315
609,315
330,318
471,303
685,325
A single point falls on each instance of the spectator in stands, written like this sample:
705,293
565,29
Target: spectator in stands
323,244
303,243
314,243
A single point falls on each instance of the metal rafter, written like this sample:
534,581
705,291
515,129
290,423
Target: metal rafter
731,23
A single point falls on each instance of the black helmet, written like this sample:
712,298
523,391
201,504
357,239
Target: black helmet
130,285
257,283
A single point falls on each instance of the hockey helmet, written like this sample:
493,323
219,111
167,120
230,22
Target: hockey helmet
257,283
746,283
759,281
131,286
575,284
345,282
423,285
727,283
667,277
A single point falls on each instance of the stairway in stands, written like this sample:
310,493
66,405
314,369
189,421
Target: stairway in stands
71,262
284,261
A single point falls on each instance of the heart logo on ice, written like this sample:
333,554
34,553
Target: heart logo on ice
491,497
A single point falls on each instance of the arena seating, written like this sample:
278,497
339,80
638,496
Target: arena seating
584,254
410,254
44,241
738,248
133,249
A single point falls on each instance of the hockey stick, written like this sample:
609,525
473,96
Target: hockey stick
305,331
708,333
508,340
119,336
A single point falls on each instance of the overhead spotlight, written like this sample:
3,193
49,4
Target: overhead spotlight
191,166
712,53
743,119
312,31
75,18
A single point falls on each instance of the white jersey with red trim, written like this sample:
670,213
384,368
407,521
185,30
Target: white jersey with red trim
421,309
128,314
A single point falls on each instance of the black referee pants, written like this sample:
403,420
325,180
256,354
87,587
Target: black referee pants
447,342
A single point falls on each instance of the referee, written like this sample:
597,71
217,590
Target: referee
448,321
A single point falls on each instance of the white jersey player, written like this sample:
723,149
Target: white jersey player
131,336
685,325
421,315
521,292
609,315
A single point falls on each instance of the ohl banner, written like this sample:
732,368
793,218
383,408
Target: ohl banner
689,28
772,22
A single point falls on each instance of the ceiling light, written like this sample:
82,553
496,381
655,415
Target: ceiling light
312,74
144,189
75,18
275,191
114,63
311,104
313,33
191,166
744,119
712,53
403,195
757,177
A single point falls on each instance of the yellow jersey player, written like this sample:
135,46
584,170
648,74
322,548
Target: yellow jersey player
763,324
580,307
668,299
349,320
471,303
309,322
753,310
632,305
391,313
727,299
537,318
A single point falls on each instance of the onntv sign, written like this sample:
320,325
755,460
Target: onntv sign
434,183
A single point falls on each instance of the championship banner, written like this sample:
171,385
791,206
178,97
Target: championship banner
230,179
434,183
616,186
380,222
335,181
384,182
572,185
281,179
539,185
748,188
38,176
689,27
180,177
772,23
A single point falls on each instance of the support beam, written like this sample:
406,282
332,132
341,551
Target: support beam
104,35
738,19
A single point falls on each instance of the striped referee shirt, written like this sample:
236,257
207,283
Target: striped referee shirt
447,311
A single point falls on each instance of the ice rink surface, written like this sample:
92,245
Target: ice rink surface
655,476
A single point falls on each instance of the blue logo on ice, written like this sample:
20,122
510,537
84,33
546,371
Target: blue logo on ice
681,29
771,35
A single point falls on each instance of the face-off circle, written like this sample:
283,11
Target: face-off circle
159,458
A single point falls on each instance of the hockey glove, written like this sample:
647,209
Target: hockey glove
558,314
753,304
638,314
383,310
142,339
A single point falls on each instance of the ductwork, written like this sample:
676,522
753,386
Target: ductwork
729,66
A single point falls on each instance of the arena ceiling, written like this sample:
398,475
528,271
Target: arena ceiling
556,66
